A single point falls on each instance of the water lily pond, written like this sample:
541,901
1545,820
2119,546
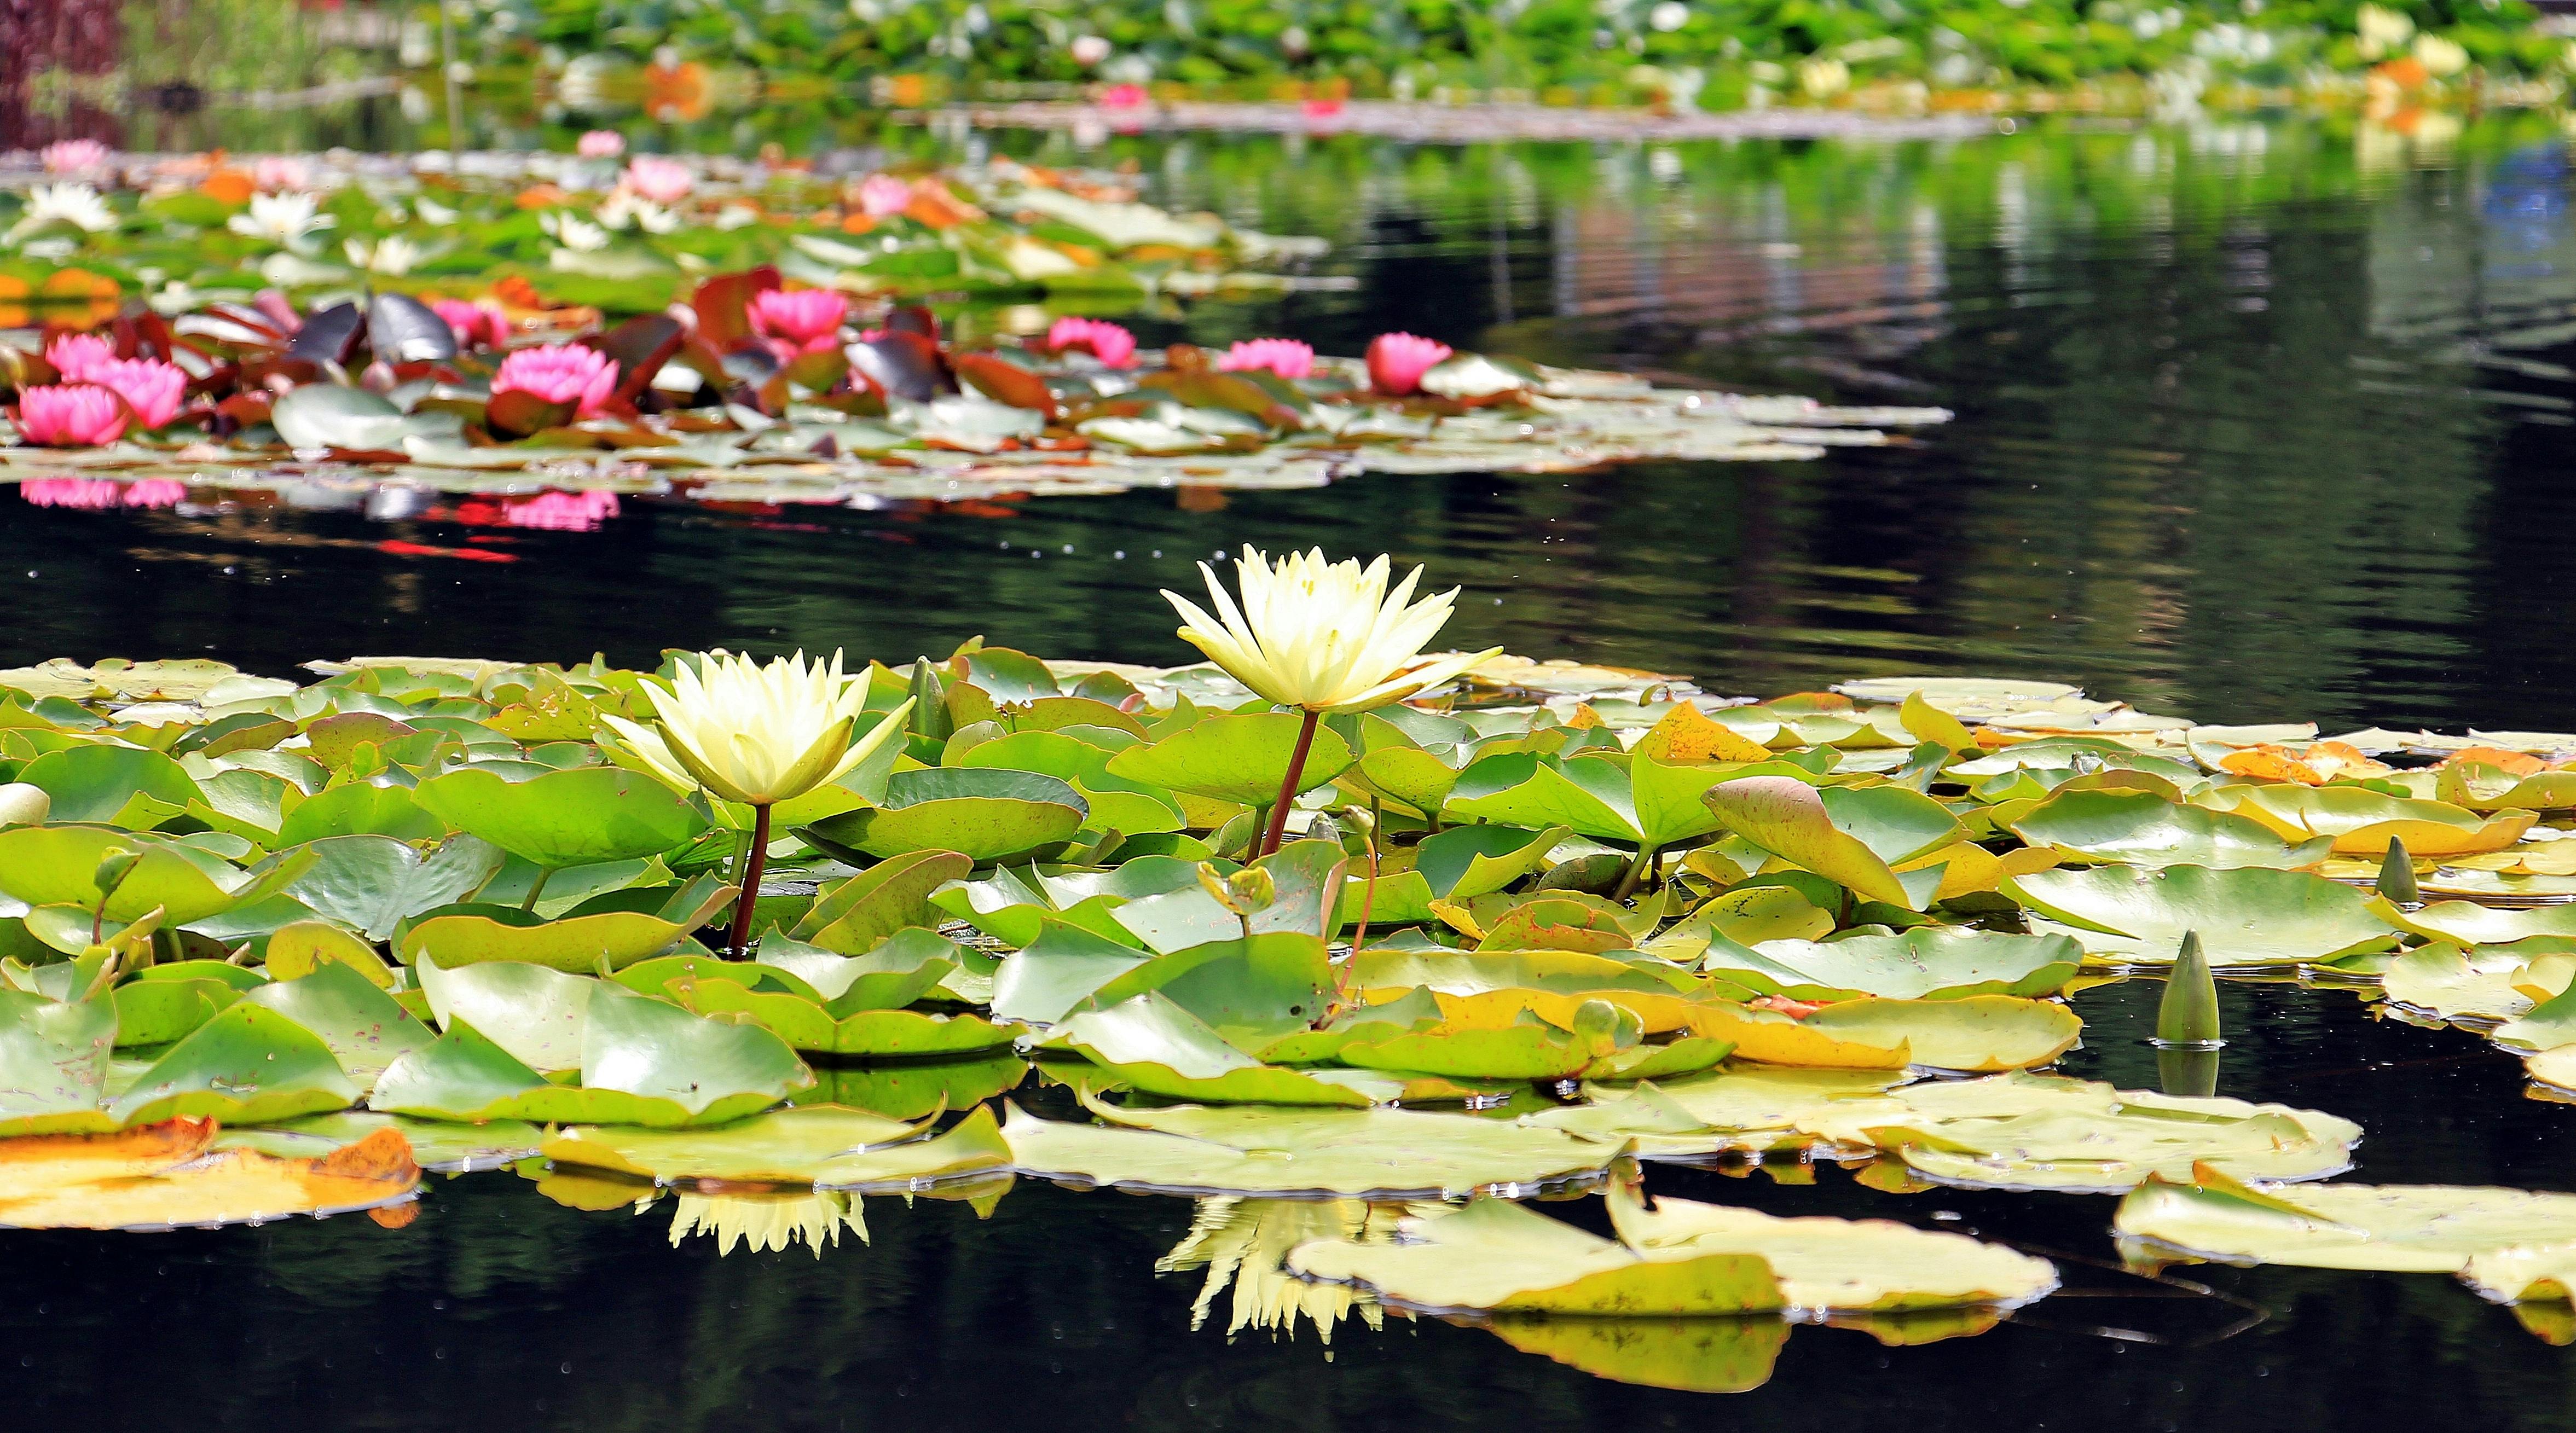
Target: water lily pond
1735,996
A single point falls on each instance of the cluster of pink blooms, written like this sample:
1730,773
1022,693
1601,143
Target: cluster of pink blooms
474,323
1115,347
99,396
798,323
664,181
102,494
73,156
1284,356
883,196
601,144
1397,361
561,511
560,373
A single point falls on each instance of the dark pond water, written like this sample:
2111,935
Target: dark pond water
2254,423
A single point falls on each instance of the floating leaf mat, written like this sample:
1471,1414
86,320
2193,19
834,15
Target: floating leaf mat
272,946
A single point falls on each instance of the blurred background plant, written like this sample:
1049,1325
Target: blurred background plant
373,75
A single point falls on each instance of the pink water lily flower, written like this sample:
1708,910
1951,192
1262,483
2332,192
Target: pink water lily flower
77,355
70,415
1114,346
474,323
560,373
279,172
1284,356
73,156
883,196
1123,97
664,181
805,321
1397,361
152,388
601,144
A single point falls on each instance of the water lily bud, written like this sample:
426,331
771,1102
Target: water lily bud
929,703
2188,1014
24,805
113,868
1242,893
2397,875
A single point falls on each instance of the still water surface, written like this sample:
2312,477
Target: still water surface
2255,423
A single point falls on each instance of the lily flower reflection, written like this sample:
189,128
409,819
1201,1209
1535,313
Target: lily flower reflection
548,511
102,494
768,1223
1245,1242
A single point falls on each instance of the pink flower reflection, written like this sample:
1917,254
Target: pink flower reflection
102,494
561,511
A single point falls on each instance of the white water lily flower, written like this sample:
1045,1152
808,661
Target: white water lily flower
573,232
392,255
75,204
2382,30
756,734
285,218
433,212
624,208
1324,636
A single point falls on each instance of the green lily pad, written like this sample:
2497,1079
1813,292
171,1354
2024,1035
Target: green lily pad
247,1065
643,1062
535,1014
2022,1131
2248,917
363,1026
2422,1228
298,949
1306,876
358,809
1850,836
910,1089
53,1064
1926,963
1977,1034
984,814
894,895
1269,1150
122,786
1238,759
2140,828
616,929
371,884
1496,1256
821,1146
1838,1265
56,865
580,817
1456,865
1150,1044
1632,799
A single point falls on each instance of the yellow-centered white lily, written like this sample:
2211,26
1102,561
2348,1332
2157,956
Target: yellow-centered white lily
756,734
1324,636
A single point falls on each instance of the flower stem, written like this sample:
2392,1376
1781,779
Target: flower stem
1288,786
738,946
1636,872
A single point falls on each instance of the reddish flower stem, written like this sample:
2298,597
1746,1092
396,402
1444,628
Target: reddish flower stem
738,946
1288,787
